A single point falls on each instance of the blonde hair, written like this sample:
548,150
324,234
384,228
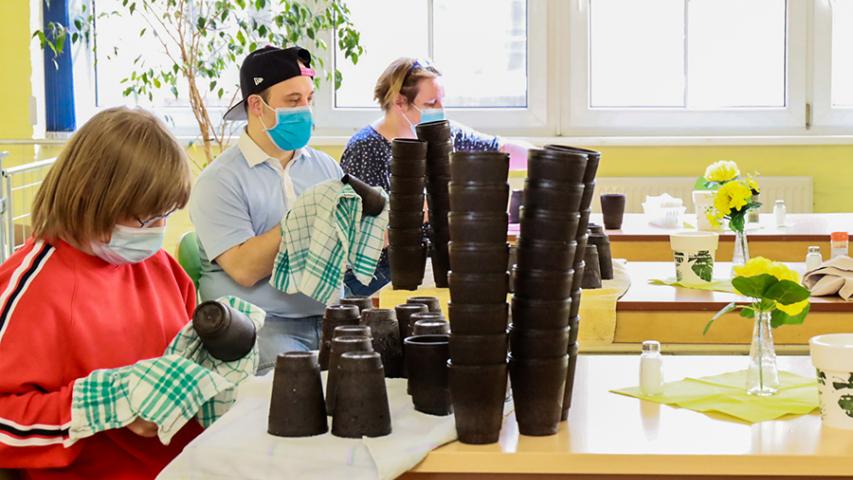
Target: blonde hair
402,77
121,164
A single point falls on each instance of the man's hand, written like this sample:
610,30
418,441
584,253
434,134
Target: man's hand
143,428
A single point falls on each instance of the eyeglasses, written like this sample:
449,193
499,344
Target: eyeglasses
147,223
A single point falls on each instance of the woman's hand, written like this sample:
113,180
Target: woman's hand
143,428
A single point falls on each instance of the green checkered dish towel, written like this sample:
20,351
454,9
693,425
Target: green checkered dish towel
184,383
322,234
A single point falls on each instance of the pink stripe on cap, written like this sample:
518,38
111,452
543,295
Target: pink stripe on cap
308,72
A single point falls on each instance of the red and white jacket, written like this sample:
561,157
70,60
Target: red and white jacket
63,314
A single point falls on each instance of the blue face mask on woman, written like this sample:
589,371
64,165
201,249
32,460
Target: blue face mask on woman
292,128
427,115
130,244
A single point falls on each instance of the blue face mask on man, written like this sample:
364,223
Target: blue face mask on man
292,129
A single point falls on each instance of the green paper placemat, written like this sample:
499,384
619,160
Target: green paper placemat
726,393
716,285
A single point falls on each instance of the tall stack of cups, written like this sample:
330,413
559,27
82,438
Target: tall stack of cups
407,250
439,148
478,280
543,278
593,159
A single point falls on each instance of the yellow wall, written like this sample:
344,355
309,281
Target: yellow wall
15,69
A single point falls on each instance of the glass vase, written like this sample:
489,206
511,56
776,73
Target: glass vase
741,250
762,378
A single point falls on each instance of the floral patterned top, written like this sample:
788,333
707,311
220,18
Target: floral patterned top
368,154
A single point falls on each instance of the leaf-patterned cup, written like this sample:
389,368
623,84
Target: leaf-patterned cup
694,253
832,356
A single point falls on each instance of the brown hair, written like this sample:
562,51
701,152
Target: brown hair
121,164
402,77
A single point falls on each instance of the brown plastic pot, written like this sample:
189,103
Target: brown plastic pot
516,199
386,339
404,219
484,349
474,319
583,223
478,257
431,327
543,284
426,358
372,200
408,203
438,185
440,264
353,331
408,148
407,185
432,303
556,165
479,197
404,313
333,317
576,302
591,273
593,159
406,237
486,167
479,288
478,227
574,325
550,195
297,408
540,314
341,345
477,393
361,398
529,343
613,210
545,254
438,204
433,131
227,333
407,266
549,225
361,302
605,257
538,386
570,382
408,168
586,199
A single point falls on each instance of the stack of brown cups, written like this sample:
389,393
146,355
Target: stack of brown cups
440,146
544,278
335,316
407,250
479,194
593,159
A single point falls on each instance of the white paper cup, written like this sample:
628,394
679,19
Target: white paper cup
832,356
693,253
703,200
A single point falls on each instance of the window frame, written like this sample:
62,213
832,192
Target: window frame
578,119
825,118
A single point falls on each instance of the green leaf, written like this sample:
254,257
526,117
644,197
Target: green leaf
737,220
200,23
728,308
747,312
754,287
780,318
241,38
787,292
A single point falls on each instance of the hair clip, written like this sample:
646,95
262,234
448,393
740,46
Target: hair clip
308,72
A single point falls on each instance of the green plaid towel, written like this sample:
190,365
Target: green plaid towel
321,235
167,390
188,345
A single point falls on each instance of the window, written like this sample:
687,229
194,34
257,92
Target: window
833,66
482,57
493,66
651,64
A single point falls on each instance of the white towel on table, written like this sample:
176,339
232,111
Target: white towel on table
833,277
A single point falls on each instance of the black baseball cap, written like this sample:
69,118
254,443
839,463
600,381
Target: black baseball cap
264,68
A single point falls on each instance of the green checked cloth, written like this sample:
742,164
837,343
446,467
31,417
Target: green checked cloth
184,383
167,390
187,344
322,234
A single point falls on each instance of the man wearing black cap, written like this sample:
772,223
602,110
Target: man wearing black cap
240,199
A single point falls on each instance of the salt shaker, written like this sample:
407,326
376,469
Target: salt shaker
651,368
779,212
813,258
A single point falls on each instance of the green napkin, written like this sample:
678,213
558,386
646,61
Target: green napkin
726,393
716,285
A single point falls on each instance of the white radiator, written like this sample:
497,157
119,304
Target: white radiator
796,191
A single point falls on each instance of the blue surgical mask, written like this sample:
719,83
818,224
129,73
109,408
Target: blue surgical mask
431,114
292,128
130,244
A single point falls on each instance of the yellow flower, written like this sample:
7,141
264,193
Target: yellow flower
752,184
793,309
754,267
782,272
722,171
730,197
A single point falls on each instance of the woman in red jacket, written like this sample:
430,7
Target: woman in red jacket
93,290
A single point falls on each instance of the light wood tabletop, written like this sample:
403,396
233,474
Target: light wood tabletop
639,241
613,436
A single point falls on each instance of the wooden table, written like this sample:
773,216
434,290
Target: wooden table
639,241
610,436
677,316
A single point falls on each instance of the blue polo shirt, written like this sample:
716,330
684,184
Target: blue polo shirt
245,193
